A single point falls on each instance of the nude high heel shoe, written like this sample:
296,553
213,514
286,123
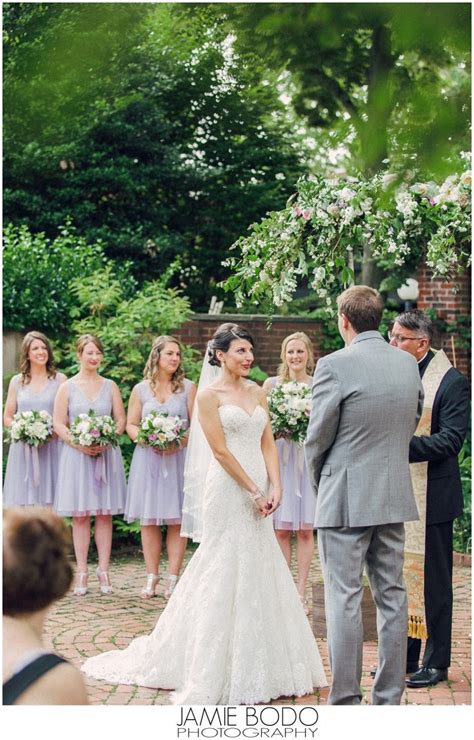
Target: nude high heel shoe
104,581
148,591
305,605
172,580
80,589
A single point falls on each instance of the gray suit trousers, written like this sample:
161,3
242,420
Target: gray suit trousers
344,551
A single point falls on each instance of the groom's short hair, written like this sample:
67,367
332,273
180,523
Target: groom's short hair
362,306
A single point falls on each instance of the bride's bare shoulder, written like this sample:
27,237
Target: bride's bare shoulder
257,391
208,397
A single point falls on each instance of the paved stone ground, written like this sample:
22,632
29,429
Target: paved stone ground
80,627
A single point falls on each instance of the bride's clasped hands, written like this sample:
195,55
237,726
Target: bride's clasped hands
266,505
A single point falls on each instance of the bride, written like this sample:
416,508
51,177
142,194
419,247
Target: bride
234,631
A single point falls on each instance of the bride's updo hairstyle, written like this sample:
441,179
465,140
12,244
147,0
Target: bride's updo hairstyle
224,335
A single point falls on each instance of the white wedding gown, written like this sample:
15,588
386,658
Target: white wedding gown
234,630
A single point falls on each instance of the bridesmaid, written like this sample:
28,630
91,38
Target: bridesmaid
297,510
79,493
34,389
155,485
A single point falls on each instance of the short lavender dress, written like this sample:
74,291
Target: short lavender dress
156,482
28,483
90,485
298,505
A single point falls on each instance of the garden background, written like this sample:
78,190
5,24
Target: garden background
159,154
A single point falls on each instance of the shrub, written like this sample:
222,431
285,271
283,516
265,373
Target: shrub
127,326
462,525
37,273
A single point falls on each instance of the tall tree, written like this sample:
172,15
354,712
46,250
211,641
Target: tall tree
398,72
142,124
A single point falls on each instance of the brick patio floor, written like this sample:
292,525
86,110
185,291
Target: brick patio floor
80,627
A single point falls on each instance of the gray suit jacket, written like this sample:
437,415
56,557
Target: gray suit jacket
367,400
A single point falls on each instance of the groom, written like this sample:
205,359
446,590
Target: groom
367,399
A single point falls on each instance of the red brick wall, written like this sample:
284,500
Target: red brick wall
450,301
200,328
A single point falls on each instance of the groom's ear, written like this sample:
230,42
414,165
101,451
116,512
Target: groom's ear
345,321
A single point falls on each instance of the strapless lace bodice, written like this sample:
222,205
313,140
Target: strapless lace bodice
239,425
243,434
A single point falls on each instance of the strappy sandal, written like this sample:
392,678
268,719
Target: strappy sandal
104,581
305,605
148,591
80,589
172,580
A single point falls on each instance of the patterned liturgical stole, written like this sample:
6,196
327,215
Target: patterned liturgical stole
415,531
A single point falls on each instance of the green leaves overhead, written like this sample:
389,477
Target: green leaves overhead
139,122
398,71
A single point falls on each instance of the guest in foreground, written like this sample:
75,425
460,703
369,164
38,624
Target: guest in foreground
36,572
296,513
155,486
31,474
436,446
367,399
83,487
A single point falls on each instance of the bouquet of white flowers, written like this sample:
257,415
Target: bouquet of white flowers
92,430
32,427
160,429
290,406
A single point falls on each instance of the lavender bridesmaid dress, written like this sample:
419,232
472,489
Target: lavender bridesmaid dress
155,484
298,505
25,483
90,485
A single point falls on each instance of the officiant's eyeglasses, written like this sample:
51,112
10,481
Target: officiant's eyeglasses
399,338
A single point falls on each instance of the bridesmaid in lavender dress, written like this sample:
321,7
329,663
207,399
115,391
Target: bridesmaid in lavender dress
30,482
155,486
84,488
297,510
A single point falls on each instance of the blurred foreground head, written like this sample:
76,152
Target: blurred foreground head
36,568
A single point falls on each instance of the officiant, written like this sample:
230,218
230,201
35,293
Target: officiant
437,483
